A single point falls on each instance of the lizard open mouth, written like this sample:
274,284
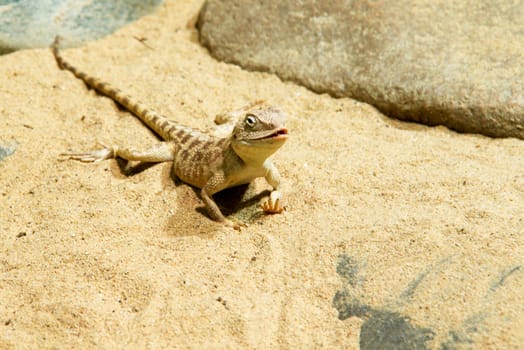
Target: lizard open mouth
278,134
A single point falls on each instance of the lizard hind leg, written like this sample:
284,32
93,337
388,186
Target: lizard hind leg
161,152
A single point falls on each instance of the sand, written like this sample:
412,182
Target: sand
391,227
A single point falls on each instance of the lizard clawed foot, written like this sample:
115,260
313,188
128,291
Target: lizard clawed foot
235,224
274,204
90,157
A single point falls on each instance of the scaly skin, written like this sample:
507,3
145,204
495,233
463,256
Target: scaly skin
209,163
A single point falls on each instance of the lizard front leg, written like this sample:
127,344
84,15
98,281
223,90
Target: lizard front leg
274,204
161,152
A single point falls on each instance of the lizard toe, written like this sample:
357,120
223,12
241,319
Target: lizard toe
274,203
235,224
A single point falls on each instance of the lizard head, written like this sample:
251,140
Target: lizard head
259,133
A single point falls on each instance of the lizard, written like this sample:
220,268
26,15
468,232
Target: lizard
207,162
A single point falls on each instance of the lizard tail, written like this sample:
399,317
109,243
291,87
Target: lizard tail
156,122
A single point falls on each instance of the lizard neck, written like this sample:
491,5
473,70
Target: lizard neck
254,153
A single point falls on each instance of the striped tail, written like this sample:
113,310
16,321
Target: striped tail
156,122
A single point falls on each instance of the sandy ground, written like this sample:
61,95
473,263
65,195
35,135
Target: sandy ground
391,228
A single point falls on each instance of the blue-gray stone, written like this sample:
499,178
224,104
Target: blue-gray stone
29,24
7,151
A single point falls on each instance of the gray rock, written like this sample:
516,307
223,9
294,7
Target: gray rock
458,64
7,150
29,24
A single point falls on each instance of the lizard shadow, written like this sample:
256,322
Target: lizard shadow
238,201
235,201
129,168
231,201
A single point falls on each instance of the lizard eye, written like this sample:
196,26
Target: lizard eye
251,120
